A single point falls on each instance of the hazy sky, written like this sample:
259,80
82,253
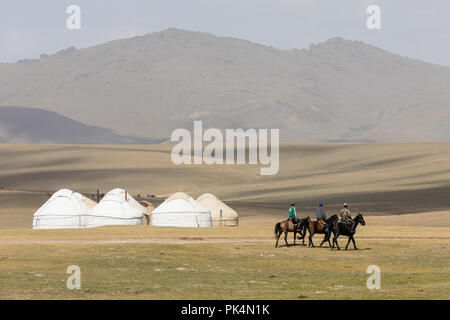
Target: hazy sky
414,28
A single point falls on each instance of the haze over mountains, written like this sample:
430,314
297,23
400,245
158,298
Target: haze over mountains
149,85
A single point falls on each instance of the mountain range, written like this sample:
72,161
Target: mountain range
147,86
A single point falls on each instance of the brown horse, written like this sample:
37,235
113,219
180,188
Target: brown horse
316,227
287,226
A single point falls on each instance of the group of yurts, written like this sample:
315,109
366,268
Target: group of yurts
69,209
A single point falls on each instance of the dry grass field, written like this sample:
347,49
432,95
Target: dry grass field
146,262
403,189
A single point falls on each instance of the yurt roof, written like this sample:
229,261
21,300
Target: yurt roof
115,204
89,202
64,202
121,195
146,204
215,205
205,196
179,195
180,206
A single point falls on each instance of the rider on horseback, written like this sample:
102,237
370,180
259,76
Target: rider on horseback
321,215
345,217
292,213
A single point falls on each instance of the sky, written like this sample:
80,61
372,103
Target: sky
413,28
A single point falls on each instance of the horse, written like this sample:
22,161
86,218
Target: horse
316,227
341,228
287,226
302,226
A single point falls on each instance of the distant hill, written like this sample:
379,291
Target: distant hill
147,86
31,125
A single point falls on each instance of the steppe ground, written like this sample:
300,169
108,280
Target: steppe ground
403,189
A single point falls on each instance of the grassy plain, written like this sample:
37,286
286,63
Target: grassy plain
403,189
147,262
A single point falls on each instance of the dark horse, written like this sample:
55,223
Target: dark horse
287,226
341,228
315,227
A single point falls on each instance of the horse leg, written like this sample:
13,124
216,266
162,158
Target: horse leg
304,235
311,234
300,236
325,238
354,243
285,238
348,242
335,241
295,236
334,235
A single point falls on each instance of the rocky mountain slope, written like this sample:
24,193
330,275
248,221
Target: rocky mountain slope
149,85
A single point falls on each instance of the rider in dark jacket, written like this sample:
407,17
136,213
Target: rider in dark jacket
321,215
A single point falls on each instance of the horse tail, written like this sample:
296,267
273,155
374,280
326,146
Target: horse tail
277,230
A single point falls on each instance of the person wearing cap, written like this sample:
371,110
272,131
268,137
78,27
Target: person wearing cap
292,213
321,215
345,217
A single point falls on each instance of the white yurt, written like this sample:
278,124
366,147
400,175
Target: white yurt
117,207
221,214
64,209
180,210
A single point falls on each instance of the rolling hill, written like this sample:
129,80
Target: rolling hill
32,125
376,178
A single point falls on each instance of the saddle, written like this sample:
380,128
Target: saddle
293,221
322,225
346,221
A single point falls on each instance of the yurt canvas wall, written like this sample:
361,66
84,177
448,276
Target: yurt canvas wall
117,207
148,211
64,209
221,214
177,211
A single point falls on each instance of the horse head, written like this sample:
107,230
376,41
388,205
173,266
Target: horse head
304,222
333,218
360,219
